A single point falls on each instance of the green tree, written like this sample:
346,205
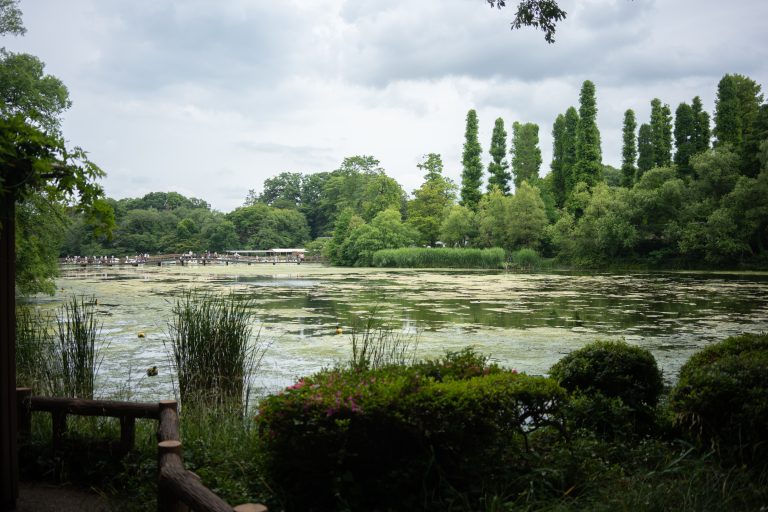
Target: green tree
526,155
499,175
281,191
736,107
459,227
493,217
557,167
527,218
588,152
570,138
606,231
685,134
27,91
701,132
645,150
471,176
661,133
629,148
431,201
264,227
541,14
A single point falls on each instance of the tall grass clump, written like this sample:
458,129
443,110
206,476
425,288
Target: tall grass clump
375,344
214,357
415,257
526,259
34,350
76,356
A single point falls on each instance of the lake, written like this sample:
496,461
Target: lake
523,321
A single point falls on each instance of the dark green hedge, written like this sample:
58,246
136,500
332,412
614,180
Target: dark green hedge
614,387
398,437
722,396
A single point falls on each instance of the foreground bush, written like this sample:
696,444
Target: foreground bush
414,257
397,437
722,396
615,386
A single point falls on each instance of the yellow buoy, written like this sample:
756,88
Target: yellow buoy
151,372
141,334
339,330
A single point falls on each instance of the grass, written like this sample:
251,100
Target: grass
213,353
76,347
414,257
59,357
376,344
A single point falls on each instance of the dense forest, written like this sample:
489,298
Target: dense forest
691,191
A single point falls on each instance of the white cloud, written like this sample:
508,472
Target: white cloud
209,99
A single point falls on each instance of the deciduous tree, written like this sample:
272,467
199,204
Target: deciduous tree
498,173
472,175
629,148
526,155
588,152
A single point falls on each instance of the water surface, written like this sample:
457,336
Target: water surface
525,321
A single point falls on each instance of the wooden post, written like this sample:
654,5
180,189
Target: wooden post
59,428
168,452
251,507
127,433
24,412
168,424
9,457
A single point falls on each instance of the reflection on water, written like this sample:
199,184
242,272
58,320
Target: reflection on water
526,321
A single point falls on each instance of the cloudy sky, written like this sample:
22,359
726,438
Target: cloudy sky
210,98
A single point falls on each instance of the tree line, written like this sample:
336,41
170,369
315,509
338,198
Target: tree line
690,192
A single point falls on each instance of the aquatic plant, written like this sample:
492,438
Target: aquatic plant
213,353
376,343
414,257
34,350
76,357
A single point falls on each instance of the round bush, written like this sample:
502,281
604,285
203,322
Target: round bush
722,395
613,369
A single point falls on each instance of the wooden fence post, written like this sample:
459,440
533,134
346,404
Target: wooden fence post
24,412
127,433
59,428
166,500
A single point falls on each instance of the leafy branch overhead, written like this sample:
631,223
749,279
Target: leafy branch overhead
541,14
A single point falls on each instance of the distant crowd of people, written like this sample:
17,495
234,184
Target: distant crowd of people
106,260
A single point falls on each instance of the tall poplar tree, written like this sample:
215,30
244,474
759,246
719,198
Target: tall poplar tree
736,110
661,133
499,175
472,175
558,157
588,153
645,158
526,155
685,131
629,148
701,132
569,149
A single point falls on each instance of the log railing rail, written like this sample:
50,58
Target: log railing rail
179,490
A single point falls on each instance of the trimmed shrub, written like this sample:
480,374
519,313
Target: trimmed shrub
722,396
603,372
396,438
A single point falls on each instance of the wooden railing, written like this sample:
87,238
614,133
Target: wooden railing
179,490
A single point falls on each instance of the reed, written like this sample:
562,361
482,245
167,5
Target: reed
376,344
526,259
415,257
214,357
34,349
75,359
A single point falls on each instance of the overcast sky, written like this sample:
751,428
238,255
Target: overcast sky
209,98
